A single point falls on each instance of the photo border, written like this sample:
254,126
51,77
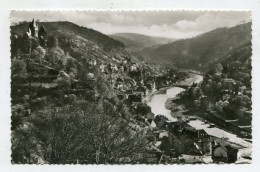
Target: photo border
237,5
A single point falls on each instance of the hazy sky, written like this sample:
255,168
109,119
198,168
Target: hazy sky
172,24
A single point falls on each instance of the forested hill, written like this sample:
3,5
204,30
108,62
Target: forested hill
80,42
203,50
135,42
69,90
71,28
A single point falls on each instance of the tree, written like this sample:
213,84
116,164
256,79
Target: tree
218,68
34,43
64,80
241,101
235,65
85,133
19,68
55,56
104,87
229,112
52,42
143,109
38,53
25,146
219,85
70,63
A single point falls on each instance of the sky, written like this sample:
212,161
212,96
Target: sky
170,24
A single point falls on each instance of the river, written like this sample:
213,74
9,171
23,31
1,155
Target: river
157,104
157,101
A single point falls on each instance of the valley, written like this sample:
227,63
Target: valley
82,97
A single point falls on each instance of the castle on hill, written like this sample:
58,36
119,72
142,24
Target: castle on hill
35,32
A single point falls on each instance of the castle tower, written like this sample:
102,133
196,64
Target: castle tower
42,35
34,28
29,33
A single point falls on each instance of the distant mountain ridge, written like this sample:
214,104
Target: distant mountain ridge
201,51
136,42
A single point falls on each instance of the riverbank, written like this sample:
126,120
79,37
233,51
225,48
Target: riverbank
157,103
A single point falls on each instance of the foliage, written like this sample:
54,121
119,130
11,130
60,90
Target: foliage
38,53
82,133
218,68
241,101
18,68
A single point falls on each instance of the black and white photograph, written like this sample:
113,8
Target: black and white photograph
131,87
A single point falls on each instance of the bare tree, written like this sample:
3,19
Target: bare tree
88,133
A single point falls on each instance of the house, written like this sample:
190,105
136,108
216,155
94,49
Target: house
229,81
204,102
223,152
191,159
120,96
194,150
133,67
120,86
200,136
226,96
102,68
128,92
150,117
242,88
135,74
222,104
93,62
166,139
182,138
156,133
192,155
226,103
133,98
160,81
91,76
140,91
248,92
160,121
176,126
163,134
195,134
53,72
248,115
220,153
244,115
192,118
